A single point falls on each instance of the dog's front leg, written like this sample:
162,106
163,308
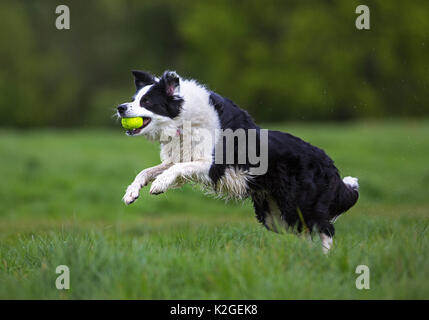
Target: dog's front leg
142,179
196,170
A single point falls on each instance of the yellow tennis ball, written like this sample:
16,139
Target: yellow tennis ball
132,123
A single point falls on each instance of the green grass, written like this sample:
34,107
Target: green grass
60,204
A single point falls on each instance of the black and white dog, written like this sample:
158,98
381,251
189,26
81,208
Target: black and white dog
300,188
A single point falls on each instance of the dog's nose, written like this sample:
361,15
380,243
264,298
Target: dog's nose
122,108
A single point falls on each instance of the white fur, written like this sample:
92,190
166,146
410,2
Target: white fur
231,186
233,183
132,193
351,182
141,180
326,242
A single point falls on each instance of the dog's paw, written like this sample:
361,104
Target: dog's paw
161,184
131,194
157,187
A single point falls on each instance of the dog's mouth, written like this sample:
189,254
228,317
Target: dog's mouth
146,121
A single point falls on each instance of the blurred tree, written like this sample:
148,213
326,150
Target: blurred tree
280,60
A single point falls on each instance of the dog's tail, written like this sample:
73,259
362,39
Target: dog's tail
350,194
347,196
352,183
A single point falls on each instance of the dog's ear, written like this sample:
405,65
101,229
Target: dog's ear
172,82
142,78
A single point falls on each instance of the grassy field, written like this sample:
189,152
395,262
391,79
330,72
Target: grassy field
60,204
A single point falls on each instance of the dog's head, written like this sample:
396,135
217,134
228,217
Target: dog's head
157,101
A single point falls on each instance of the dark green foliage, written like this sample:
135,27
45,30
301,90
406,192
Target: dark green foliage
281,60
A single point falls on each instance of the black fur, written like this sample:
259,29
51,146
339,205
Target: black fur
160,98
231,117
142,78
300,178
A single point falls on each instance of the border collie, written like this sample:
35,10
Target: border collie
300,189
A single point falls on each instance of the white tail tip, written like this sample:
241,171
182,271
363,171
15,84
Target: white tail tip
351,182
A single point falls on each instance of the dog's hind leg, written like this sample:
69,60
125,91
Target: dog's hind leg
260,206
269,213
326,242
142,179
326,233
